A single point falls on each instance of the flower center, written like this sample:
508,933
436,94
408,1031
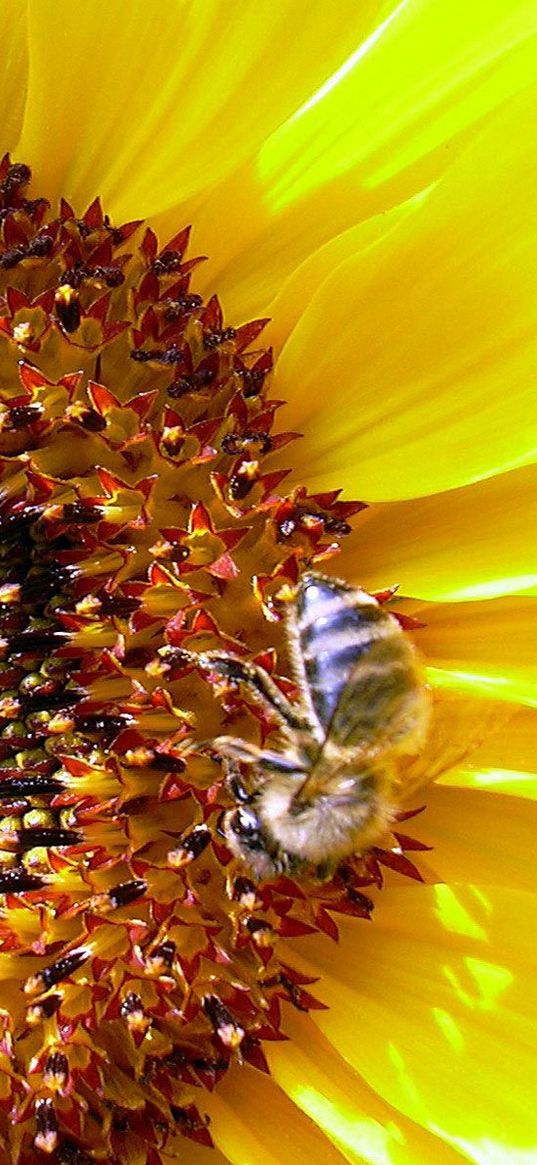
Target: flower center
141,525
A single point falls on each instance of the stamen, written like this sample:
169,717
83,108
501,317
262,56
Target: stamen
127,892
56,972
67,304
56,1072
132,1011
160,960
192,845
46,1138
229,1032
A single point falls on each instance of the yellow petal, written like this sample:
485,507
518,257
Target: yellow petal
510,689
386,124
14,73
417,79
475,742
435,1007
493,779
278,272
412,368
252,1120
162,102
352,1115
497,634
474,834
470,543
505,762
488,645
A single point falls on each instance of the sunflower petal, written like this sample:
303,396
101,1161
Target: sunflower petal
505,762
494,780
437,1013
417,79
253,1120
498,833
422,349
471,543
351,1114
389,120
14,74
169,100
497,634
488,646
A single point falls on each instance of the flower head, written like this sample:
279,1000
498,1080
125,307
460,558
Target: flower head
150,524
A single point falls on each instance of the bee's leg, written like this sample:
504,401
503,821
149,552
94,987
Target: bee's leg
248,840
230,667
235,783
231,753
265,759
324,870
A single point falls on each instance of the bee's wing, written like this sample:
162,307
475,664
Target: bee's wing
385,703
459,725
359,674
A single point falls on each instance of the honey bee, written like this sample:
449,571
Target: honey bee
363,707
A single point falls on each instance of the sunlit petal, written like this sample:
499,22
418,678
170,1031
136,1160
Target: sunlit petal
471,543
490,645
351,1114
169,100
447,979
495,634
419,77
412,369
14,73
253,1120
504,762
406,99
362,172
490,838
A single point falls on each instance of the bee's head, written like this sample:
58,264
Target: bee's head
247,840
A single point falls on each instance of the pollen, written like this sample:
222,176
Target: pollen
143,521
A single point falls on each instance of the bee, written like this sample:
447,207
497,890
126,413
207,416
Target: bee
363,706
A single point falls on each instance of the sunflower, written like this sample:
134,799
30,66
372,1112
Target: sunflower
359,176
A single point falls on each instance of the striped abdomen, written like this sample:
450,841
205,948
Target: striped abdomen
358,673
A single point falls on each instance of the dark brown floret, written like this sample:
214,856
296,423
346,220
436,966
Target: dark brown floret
46,1122
179,307
167,263
194,843
19,881
213,339
28,785
237,443
67,305
57,838
44,1009
243,480
17,176
127,892
56,1071
23,415
58,971
132,1005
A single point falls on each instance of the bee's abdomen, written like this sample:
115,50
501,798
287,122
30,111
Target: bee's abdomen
334,631
358,668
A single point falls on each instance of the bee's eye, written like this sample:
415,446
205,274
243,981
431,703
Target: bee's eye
245,824
220,825
238,790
